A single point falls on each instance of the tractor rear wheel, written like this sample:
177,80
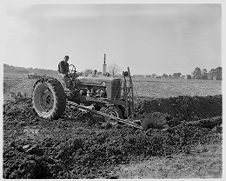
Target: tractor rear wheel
49,98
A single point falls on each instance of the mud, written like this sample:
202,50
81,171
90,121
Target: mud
183,107
78,145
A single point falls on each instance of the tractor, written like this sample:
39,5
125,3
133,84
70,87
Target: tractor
105,95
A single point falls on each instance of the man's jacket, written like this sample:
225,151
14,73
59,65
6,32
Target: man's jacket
63,67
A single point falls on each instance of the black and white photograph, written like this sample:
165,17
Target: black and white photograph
114,90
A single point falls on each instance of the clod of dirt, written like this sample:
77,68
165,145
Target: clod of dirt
217,129
154,120
107,125
25,147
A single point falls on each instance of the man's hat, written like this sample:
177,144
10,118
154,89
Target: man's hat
66,57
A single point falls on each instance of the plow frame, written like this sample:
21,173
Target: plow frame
128,122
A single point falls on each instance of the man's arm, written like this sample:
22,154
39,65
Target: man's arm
60,67
67,68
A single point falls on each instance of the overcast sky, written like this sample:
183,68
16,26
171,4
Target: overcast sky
149,38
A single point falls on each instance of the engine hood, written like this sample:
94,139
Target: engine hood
96,80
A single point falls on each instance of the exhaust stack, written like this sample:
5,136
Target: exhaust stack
104,65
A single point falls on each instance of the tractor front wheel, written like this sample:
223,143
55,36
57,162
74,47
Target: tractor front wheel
112,110
49,98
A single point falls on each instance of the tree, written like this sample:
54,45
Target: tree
153,75
114,69
218,73
88,72
197,73
176,75
165,75
204,73
211,74
99,73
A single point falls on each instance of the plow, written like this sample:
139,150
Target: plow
109,97
128,122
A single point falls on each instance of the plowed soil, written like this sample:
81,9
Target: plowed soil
79,145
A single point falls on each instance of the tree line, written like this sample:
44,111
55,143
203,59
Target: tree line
213,74
204,74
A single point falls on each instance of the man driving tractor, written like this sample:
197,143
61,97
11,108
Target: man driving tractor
63,69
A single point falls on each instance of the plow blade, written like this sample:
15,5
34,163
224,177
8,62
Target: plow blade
124,121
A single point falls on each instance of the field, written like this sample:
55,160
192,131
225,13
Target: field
148,87
143,87
80,145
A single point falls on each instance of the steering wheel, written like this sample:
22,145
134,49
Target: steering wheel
72,69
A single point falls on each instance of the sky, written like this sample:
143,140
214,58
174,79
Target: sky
149,38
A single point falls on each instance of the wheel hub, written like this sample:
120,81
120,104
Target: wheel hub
113,114
47,100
